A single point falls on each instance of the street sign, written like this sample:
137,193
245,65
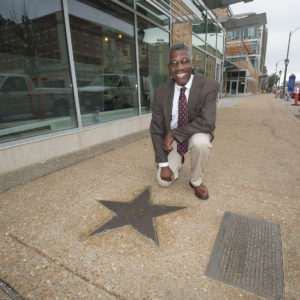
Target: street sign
291,83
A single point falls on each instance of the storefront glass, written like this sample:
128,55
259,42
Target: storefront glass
210,66
200,28
127,2
152,13
199,60
198,42
211,37
153,45
105,60
36,89
36,95
220,43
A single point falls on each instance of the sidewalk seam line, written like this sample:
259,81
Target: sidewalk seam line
56,262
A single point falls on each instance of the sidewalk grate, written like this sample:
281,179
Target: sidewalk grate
247,254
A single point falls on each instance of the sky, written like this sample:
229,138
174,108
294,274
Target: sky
283,16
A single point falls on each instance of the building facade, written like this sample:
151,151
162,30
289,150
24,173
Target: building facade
76,73
246,45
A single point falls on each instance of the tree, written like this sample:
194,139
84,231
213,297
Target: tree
273,79
5,23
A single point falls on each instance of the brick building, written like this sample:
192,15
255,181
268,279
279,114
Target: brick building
246,44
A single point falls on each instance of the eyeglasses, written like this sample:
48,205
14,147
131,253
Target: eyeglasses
184,61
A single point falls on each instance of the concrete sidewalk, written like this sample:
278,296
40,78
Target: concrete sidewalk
253,170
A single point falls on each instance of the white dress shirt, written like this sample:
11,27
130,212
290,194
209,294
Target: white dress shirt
174,120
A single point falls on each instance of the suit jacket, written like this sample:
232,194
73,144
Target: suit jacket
202,106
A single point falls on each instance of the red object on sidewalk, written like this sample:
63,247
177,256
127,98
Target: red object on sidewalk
296,95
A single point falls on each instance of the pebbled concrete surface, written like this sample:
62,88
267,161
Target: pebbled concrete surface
253,170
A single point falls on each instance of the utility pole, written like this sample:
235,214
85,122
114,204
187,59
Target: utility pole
286,62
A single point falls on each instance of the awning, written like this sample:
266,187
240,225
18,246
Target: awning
250,20
212,4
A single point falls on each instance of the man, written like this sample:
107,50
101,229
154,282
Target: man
183,118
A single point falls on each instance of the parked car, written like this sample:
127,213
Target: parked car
19,98
108,92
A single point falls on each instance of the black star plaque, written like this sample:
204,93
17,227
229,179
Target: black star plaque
139,213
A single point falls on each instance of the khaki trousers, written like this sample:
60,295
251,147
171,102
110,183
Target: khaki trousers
199,146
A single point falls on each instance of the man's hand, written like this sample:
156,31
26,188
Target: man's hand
166,174
168,142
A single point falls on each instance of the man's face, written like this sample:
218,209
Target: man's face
180,66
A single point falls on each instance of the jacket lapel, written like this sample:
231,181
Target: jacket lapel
194,93
169,102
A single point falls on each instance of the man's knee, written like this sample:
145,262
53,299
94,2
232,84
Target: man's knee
200,141
163,183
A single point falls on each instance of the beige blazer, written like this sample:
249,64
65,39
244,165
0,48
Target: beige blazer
202,106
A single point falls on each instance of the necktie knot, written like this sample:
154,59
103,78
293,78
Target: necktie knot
182,90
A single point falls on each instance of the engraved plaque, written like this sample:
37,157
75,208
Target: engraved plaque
247,254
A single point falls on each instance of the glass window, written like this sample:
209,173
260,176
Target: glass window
198,42
241,87
210,66
153,45
227,86
45,37
235,75
220,43
211,37
245,33
251,33
152,13
127,2
53,35
199,60
199,29
105,60
35,89
242,74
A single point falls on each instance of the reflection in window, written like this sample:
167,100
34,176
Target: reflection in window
106,69
127,2
210,66
153,44
198,42
199,29
211,37
220,43
151,12
199,60
35,93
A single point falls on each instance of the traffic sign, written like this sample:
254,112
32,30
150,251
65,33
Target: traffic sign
291,83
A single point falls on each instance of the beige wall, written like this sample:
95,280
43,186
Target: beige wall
221,12
182,33
13,158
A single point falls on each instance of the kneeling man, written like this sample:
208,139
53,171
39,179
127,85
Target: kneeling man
183,118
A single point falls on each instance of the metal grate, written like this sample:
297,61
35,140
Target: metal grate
247,254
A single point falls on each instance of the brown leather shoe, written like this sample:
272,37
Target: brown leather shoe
200,191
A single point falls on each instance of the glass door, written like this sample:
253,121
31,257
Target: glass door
233,87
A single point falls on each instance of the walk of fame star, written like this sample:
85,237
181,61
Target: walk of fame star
139,213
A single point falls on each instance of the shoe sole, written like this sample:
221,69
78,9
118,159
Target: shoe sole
200,197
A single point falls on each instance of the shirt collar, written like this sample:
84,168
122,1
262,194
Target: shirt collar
188,85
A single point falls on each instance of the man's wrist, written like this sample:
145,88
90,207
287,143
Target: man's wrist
163,164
